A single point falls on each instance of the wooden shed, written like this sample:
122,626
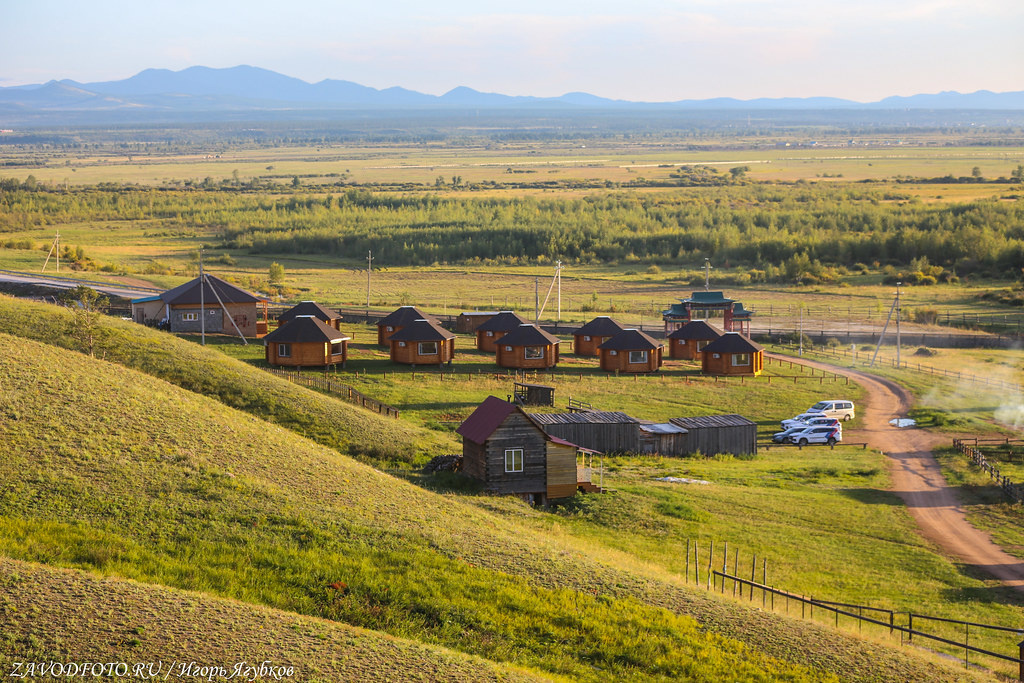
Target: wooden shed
501,323
597,430
468,321
324,315
533,394
527,347
398,319
217,307
506,450
733,354
630,351
712,434
422,342
305,341
586,339
663,438
688,341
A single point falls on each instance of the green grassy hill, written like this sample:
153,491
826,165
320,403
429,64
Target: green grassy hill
109,470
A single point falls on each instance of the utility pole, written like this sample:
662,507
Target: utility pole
54,249
202,299
369,267
898,324
801,333
707,274
558,274
536,301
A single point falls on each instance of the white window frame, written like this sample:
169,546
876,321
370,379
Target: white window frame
424,345
189,317
284,350
401,344
740,359
510,459
613,352
340,348
489,333
538,353
636,357
586,337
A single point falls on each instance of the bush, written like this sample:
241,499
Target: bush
925,351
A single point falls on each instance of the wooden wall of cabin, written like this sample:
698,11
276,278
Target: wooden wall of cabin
517,431
737,440
620,361
582,346
474,460
606,437
723,365
306,354
561,467
385,331
516,358
409,352
487,340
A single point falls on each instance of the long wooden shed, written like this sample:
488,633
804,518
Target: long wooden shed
597,430
712,434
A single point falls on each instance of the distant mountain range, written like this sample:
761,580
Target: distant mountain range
248,88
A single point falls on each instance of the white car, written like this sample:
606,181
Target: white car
802,418
820,434
842,410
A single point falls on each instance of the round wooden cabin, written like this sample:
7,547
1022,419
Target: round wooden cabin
688,341
488,333
527,347
631,351
324,315
422,342
398,319
305,342
586,339
733,354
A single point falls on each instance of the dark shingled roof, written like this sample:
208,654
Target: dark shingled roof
188,293
629,340
733,342
421,330
706,421
697,329
304,329
309,308
528,335
404,316
601,326
503,321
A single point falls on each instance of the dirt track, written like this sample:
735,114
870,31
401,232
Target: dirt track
918,480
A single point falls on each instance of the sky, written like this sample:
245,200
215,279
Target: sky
640,50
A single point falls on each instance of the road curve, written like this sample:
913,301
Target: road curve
917,477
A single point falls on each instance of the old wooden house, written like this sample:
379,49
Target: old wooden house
586,339
527,347
324,315
216,307
422,342
630,351
733,354
398,319
688,341
711,434
500,324
505,450
306,341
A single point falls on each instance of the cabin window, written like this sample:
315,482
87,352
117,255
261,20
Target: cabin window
637,356
490,334
389,328
189,317
508,348
716,355
533,352
741,359
701,343
401,344
428,348
613,352
284,350
513,459
586,337
336,349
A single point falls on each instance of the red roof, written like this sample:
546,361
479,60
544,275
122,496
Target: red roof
487,417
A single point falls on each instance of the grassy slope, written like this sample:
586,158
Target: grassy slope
342,426
140,479
42,619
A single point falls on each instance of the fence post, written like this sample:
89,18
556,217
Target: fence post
1020,657
910,626
686,576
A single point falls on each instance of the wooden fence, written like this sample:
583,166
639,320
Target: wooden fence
1015,492
331,386
887,619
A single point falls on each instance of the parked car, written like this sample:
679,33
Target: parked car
783,436
839,409
801,419
820,434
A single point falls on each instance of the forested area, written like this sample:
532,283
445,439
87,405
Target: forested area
782,232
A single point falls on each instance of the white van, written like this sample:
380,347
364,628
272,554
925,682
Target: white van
841,410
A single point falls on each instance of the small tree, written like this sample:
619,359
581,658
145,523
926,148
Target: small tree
276,273
86,306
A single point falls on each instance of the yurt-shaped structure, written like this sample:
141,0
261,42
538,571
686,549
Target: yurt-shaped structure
688,341
586,339
305,341
631,351
398,319
422,342
324,315
503,322
527,347
733,354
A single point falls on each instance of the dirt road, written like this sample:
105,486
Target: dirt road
918,480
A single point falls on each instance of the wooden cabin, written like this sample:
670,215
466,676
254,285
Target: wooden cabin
527,347
586,339
630,351
422,342
398,319
468,321
216,307
506,451
733,354
306,342
688,341
713,434
324,315
501,323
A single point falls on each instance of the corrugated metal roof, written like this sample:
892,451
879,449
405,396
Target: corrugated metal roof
601,326
705,421
585,417
697,329
630,340
662,428
421,330
305,329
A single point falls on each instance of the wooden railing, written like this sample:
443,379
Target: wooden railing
1015,492
331,386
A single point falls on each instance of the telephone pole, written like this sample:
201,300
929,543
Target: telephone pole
202,299
898,324
707,274
369,267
